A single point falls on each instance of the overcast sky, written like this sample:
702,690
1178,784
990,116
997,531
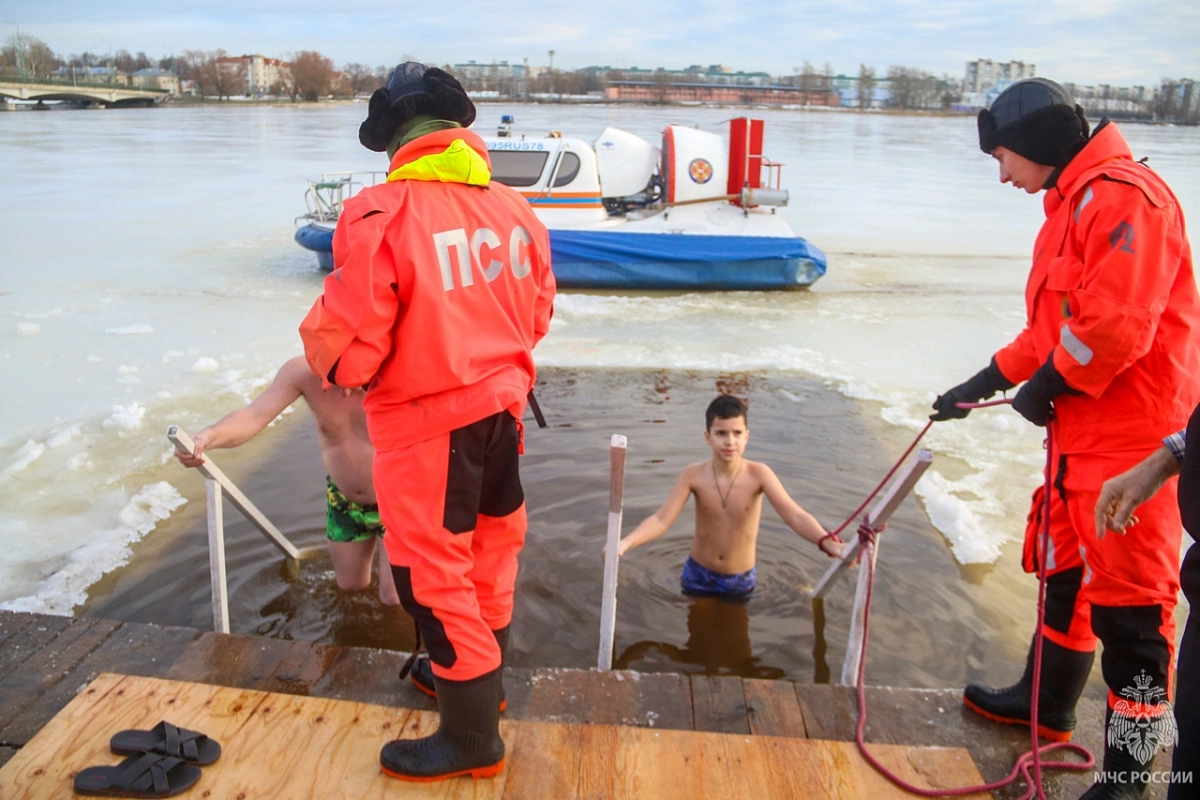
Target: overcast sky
1084,41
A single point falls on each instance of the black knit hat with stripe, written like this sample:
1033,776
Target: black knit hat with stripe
1035,118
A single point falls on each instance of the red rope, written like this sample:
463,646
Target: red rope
1028,762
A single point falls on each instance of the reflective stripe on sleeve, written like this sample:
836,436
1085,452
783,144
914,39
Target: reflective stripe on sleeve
1075,347
1087,198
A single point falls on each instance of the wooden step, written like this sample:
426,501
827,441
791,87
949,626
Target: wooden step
287,746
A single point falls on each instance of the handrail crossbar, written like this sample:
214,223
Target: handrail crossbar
218,485
899,489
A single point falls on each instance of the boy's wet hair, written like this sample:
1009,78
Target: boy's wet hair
726,406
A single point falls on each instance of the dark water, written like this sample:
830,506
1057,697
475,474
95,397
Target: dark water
933,620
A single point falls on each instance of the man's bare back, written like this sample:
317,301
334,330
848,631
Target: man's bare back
341,426
346,453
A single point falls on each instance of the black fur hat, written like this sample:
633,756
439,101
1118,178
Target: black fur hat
413,89
1035,118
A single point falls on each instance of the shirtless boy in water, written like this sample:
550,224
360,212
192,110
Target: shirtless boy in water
729,491
352,522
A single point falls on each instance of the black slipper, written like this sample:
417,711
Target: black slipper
140,775
166,739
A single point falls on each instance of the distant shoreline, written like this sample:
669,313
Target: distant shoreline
566,103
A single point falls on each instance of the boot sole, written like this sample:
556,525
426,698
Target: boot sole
433,694
489,771
1049,734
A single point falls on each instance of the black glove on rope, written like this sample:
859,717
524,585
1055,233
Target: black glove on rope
1034,400
986,383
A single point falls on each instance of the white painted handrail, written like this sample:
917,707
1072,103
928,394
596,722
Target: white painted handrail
216,486
616,503
880,514
899,489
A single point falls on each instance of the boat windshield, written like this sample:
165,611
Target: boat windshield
518,168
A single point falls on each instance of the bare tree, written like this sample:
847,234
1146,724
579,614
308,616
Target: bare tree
213,72
866,85
951,91
808,79
30,55
124,62
914,89
662,85
312,74
362,78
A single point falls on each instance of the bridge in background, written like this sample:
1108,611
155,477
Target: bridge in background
106,94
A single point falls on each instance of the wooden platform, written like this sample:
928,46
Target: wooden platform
286,746
46,661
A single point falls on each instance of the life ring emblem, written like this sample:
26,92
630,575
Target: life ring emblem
700,170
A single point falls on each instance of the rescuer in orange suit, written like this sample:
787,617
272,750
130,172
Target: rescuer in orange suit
441,288
1111,348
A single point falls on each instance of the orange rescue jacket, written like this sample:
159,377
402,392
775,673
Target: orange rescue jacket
441,287
1112,299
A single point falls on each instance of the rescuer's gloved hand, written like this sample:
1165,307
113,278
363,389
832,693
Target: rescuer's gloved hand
986,383
1034,400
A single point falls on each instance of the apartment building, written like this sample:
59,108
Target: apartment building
983,74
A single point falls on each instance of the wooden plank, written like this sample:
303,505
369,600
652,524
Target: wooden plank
610,698
858,618
216,556
330,733
616,505
518,682
719,704
304,748
664,700
364,674
828,711
138,648
13,622
677,764
544,761
230,660
302,668
30,639
601,774
78,736
133,648
31,680
773,709
557,695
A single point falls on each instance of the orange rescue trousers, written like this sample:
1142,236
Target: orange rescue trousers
1121,590
454,512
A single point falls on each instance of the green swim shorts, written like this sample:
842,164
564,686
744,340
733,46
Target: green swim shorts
347,521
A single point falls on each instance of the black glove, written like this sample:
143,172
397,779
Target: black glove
986,383
1034,400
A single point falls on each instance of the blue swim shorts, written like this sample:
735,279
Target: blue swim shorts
701,581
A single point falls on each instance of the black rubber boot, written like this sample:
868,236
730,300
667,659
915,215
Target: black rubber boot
422,670
1124,777
1064,673
467,741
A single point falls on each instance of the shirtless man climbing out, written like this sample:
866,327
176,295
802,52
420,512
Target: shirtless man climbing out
352,516
729,490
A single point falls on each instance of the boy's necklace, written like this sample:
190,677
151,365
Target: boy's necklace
725,497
